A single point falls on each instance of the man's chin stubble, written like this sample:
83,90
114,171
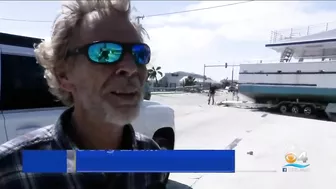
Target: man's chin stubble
115,116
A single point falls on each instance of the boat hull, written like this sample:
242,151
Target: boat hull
262,93
310,81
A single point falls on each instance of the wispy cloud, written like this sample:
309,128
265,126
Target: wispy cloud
232,34
235,33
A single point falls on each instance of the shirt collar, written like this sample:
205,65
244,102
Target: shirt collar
64,125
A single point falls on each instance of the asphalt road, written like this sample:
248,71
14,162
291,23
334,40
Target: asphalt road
269,136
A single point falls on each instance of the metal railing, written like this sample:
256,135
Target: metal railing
294,60
280,35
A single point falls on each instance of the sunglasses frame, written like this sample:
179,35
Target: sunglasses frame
126,47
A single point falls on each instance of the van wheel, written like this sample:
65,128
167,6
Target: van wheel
164,145
166,179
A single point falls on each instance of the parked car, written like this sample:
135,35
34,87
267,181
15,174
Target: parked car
27,104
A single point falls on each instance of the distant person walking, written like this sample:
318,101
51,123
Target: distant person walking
212,92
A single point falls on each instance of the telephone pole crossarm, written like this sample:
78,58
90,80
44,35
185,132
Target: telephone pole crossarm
138,18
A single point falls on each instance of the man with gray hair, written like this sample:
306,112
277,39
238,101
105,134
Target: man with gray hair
95,63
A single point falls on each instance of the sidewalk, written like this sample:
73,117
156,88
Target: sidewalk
167,92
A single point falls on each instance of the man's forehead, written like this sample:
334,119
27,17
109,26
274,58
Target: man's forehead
113,26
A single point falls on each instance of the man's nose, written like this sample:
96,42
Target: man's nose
127,66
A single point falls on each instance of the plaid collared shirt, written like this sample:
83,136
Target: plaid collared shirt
56,137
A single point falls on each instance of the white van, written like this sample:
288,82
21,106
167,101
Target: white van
26,104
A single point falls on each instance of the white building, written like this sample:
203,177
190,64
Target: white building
176,79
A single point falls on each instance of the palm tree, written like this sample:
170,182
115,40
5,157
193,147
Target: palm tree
153,73
189,81
225,83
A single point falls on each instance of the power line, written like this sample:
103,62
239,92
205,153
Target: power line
148,16
200,9
19,20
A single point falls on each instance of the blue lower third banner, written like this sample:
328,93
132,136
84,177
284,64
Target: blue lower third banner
44,161
182,161
156,161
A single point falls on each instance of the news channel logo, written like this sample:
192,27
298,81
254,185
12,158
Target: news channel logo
296,163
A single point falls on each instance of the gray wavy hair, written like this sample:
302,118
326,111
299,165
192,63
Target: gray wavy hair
51,53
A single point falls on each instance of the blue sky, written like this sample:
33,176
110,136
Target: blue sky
235,34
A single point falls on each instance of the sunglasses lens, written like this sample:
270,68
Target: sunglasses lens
105,53
141,54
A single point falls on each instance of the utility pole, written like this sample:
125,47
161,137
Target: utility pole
138,18
204,78
233,92
232,75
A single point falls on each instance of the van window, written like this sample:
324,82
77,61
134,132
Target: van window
23,85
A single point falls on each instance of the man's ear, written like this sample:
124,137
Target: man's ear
62,76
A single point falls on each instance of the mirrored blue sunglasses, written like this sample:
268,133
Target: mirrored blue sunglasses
109,52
